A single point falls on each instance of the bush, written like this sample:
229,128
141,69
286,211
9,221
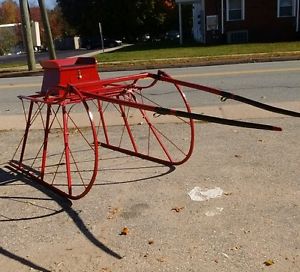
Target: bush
8,40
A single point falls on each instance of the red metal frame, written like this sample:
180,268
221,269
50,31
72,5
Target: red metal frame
68,83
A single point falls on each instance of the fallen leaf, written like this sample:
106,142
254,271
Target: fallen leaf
268,262
124,231
236,248
177,209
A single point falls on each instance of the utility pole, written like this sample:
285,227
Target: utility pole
27,35
46,24
101,37
180,24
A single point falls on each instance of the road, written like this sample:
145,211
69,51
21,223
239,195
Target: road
274,82
21,58
60,54
268,82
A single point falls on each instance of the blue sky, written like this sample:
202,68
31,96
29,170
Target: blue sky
49,3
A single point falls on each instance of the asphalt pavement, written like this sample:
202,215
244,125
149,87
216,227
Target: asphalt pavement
233,206
19,70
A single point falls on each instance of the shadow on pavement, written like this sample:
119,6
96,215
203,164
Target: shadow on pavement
8,176
22,260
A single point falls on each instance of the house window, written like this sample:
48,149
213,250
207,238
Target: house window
235,10
286,8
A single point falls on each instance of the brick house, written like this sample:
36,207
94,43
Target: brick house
232,21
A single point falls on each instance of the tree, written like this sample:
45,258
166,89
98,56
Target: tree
82,15
156,16
10,36
59,26
9,12
119,18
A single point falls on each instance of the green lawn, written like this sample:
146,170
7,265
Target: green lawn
161,51
13,65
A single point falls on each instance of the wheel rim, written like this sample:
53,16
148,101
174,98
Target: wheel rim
141,133
61,148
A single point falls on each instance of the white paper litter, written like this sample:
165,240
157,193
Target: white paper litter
198,194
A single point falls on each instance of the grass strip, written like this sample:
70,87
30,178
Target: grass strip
161,51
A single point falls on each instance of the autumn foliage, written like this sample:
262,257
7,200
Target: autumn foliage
120,18
10,13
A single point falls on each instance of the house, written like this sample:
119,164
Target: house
234,21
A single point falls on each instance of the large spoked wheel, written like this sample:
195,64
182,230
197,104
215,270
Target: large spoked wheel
162,138
60,147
